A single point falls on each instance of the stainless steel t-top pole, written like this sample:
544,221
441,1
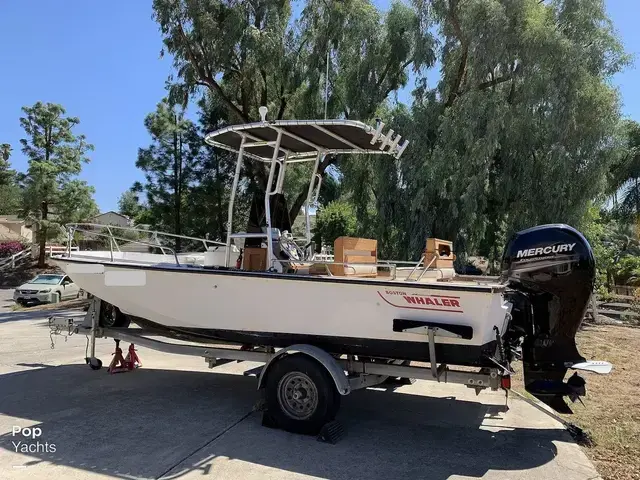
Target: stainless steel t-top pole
236,178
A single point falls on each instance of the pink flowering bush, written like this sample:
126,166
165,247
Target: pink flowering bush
9,248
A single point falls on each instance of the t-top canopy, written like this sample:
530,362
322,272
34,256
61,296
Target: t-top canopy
303,139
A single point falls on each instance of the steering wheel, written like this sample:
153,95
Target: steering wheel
291,248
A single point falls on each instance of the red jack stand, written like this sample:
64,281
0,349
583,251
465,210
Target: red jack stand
120,364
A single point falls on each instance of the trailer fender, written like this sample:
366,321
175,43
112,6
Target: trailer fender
327,361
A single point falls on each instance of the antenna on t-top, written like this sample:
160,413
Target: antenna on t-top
263,113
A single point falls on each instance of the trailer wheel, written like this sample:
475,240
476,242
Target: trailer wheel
112,317
95,363
301,395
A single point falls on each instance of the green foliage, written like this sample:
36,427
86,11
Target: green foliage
337,219
6,174
595,229
209,196
628,271
616,249
249,54
52,195
169,165
10,199
10,195
130,206
508,138
209,187
624,177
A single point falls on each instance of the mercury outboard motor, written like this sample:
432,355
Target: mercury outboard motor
551,270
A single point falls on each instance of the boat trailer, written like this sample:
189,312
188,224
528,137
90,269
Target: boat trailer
346,372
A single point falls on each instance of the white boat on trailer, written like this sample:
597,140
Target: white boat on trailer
355,315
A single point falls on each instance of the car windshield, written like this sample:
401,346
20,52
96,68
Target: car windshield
47,279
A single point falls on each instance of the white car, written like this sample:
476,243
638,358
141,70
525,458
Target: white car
46,288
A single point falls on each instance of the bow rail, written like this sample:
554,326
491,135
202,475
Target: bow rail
141,236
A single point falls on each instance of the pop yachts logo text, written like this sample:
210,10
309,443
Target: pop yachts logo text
549,249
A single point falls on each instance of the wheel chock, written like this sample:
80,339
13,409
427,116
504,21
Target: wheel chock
332,432
268,420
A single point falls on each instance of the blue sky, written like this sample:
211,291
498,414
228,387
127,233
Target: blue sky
100,60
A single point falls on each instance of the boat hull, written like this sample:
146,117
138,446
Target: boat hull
335,313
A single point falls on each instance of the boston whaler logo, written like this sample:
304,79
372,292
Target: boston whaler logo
435,301
415,301
549,249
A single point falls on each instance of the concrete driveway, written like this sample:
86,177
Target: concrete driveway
174,418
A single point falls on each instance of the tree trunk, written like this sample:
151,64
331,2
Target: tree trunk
44,206
42,232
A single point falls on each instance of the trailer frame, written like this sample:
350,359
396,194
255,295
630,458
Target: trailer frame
347,373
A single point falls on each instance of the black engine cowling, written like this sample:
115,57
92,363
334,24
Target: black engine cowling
551,270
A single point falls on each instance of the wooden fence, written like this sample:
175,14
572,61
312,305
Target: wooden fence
10,263
58,249
619,308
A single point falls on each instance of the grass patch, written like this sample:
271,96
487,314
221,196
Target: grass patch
613,402
612,412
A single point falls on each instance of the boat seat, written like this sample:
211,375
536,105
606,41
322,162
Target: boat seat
357,251
439,253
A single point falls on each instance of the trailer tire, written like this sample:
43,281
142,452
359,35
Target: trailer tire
112,317
301,396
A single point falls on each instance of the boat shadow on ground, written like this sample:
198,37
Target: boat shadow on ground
168,423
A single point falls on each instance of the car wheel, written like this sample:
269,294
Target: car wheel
112,317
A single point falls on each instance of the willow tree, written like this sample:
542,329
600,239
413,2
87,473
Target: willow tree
249,53
520,129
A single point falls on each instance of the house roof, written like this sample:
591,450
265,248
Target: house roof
114,213
11,219
7,235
